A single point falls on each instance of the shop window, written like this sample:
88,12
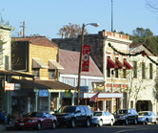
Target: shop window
135,69
151,70
143,70
36,72
52,74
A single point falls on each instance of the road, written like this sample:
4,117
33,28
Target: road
104,129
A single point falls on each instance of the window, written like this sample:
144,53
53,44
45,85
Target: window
151,71
124,73
52,74
108,72
132,104
135,69
116,73
143,70
6,62
36,72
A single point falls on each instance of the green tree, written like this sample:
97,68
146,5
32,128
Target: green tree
70,30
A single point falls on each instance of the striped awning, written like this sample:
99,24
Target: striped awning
37,63
54,65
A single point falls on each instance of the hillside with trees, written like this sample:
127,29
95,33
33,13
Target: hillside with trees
146,36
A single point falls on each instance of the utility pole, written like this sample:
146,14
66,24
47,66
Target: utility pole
23,26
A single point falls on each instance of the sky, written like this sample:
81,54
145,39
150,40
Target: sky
46,17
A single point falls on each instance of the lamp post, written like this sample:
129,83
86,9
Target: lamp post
80,61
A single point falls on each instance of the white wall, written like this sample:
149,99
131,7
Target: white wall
5,36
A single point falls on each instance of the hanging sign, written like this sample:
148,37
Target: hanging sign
85,58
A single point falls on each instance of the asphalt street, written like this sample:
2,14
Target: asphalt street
104,129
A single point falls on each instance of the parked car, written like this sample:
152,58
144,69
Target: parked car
126,116
36,120
145,117
102,117
72,116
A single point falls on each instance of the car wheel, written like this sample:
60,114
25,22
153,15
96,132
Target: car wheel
39,126
53,125
146,122
100,123
88,122
156,122
111,123
126,121
73,123
135,121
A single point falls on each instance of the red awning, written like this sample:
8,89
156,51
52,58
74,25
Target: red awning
110,63
119,64
127,65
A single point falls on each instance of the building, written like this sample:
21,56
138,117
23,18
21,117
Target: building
37,56
113,65
70,61
143,82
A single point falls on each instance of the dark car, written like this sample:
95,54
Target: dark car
72,116
36,120
126,116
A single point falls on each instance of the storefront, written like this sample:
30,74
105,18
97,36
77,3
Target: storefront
105,101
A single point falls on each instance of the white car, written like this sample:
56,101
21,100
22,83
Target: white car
102,118
146,117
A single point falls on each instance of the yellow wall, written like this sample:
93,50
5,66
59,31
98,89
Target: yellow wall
44,53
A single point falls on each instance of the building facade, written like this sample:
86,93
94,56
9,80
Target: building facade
111,52
39,57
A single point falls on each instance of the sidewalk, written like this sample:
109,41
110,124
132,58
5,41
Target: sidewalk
4,127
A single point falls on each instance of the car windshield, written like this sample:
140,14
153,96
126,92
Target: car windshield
97,114
143,113
34,114
122,112
67,109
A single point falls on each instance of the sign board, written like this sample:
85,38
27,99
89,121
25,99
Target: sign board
43,93
85,58
9,86
17,86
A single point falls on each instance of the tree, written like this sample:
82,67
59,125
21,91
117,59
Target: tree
70,30
152,5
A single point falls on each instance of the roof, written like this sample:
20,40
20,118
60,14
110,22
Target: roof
43,84
37,40
13,73
134,45
70,61
4,27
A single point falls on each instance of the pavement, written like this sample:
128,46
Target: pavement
4,127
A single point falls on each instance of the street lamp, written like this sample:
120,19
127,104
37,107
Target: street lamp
80,61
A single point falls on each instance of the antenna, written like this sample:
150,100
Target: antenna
111,15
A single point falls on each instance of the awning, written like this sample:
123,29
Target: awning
119,64
110,63
37,63
43,84
103,95
127,65
55,65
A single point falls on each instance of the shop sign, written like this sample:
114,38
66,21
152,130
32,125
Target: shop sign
9,86
17,86
85,59
43,93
